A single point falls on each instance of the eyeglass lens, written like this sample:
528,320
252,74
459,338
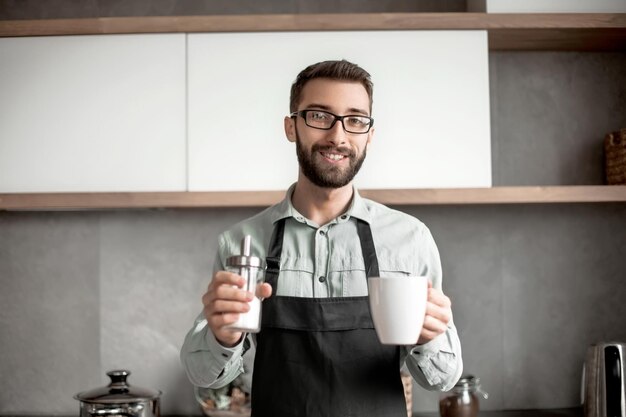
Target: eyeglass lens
323,120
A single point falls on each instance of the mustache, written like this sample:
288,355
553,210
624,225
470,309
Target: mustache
334,149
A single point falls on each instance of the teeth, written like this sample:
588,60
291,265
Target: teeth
333,156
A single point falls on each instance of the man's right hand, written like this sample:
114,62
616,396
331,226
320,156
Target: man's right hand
224,300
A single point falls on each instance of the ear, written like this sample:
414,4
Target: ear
290,128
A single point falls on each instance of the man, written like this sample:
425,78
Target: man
317,353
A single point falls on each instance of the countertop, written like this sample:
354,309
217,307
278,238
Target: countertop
557,412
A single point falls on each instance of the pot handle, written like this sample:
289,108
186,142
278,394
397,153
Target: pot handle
128,411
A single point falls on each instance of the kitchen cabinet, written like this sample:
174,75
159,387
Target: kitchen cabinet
557,32
92,113
238,86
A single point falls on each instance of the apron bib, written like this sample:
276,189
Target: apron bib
320,357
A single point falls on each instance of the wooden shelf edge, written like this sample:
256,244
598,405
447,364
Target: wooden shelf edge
514,31
501,195
439,196
132,200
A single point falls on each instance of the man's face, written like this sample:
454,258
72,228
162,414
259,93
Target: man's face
330,158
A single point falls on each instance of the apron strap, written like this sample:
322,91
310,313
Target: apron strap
273,255
276,248
367,247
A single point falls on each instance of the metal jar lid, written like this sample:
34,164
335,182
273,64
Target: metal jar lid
245,259
118,391
470,383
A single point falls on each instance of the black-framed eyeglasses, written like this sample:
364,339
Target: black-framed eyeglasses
320,119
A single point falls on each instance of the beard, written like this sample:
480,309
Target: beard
328,176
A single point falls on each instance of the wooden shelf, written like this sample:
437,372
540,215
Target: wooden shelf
551,31
440,196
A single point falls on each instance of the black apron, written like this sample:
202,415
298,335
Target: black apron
321,356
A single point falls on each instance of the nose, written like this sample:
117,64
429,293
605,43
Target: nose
337,135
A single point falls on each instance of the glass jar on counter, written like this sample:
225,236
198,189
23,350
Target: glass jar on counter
462,399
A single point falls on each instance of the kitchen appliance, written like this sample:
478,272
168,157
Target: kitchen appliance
119,399
603,387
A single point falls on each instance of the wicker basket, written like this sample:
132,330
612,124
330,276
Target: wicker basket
615,157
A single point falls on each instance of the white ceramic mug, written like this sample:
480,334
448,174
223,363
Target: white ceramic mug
398,306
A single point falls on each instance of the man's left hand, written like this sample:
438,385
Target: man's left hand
438,315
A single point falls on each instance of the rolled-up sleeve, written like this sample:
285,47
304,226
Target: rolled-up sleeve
209,364
438,364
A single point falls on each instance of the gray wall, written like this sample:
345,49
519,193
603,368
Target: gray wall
532,285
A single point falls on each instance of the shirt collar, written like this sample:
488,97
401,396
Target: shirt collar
357,209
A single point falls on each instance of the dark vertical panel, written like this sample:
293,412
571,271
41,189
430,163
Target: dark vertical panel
550,112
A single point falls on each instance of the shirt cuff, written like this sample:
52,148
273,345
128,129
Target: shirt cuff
435,359
221,353
438,344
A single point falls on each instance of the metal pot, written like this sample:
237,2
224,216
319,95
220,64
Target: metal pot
119,399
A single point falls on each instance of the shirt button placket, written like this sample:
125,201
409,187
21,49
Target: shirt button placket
321,263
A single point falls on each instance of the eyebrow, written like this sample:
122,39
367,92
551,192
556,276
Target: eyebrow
351,110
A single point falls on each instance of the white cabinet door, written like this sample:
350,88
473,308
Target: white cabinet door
431,106
92,113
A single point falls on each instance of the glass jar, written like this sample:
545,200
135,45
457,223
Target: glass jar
250,268
461,400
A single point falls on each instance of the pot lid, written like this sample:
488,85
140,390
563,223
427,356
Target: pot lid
118,391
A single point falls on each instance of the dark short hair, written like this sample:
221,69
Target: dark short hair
335,70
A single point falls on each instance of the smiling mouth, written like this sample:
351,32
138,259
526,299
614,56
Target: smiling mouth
333,156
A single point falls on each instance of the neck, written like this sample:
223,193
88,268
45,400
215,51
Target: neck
318,204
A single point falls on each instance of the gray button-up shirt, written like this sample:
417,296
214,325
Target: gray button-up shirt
326,261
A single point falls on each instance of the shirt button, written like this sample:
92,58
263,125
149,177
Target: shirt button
322,279
225,355
323,233
344,217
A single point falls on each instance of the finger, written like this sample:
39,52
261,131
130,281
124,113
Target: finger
229,318
225,292
439,298
434,325
225,307
226,299
426,336
229,278
218,321
228,292
264,290
443,314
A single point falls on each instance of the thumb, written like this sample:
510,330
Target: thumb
264,290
